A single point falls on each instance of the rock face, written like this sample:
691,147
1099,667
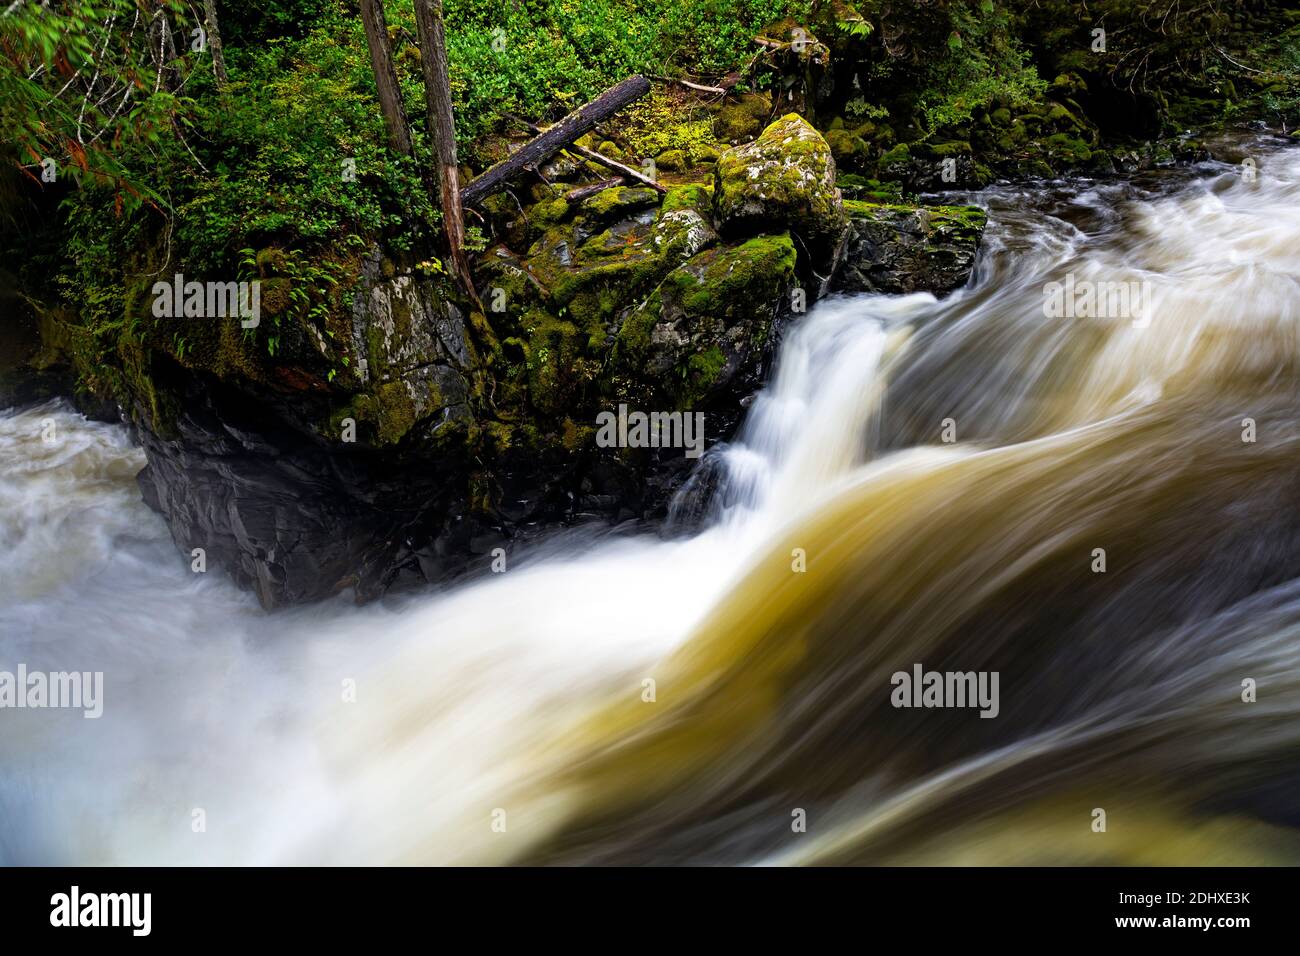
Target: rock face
416,355
910,249
709,323
291,518
783,179
298,497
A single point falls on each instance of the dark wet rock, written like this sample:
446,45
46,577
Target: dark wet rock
896,249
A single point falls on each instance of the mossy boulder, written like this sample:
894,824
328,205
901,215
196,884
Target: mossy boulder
1066,150
743,119
617,202
847,147
784,180
608,256
671,161
701,334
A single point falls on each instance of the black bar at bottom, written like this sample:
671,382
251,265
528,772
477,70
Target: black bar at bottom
335,906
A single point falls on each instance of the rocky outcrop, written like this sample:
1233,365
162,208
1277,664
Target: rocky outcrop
708,325
785,179
388,436
894,248
298,494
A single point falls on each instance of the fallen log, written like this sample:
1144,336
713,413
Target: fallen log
600,159
582,192
557,137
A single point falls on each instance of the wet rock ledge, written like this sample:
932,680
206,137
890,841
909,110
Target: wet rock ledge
399,437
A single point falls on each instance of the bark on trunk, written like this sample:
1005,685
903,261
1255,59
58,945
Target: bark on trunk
442,129
381,60
213,31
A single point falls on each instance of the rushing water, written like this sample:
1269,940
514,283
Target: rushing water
520,699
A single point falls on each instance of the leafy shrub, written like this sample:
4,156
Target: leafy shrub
980,63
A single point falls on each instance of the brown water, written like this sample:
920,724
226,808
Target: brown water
508,720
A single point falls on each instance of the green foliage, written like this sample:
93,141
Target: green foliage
81,92
311,284
662,121
300,155
291,153
1282,96
981,62
538,56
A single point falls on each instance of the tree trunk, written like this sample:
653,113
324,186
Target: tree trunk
213,32
442,129
381,60
557,137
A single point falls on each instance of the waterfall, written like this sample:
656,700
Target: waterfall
1098,505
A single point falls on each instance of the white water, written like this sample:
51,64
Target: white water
211,704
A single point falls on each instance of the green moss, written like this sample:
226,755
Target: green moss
1068,149
706,153
671,160
742,120
899,154
726,276
666,121
845,146
946,221
697,196
706,301
965,222
618,201
596,278
704,368
271,261
955,148
782,180
548,212
396,411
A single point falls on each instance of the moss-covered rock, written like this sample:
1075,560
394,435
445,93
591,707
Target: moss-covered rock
613,251
671,160
847,147
743,119
618,202
416,357
783,180
704,329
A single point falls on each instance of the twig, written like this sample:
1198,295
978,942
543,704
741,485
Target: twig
691,86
